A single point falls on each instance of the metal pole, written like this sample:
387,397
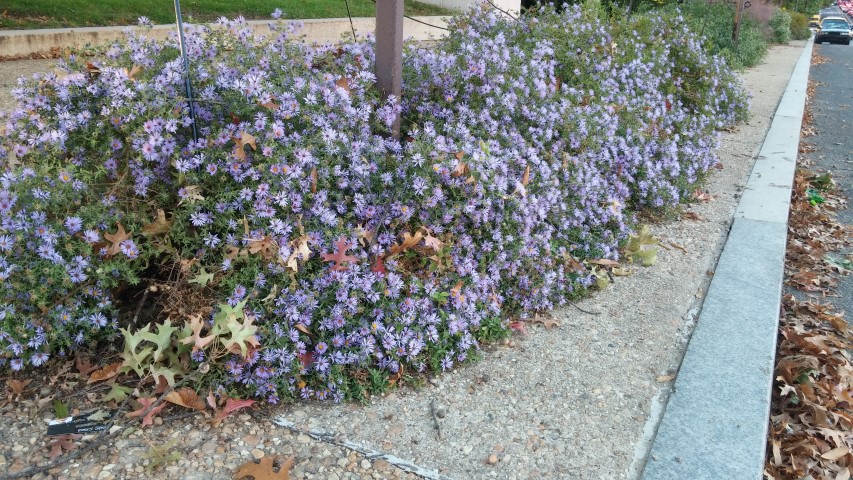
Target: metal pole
389,51
186,66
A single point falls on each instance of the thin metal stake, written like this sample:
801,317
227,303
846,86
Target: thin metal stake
186,66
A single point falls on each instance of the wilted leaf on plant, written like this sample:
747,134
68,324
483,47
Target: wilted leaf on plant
105,373
143,411
16,387
265,469
185,397
159,226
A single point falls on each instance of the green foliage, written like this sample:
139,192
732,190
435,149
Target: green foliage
800,26
780,26
714,21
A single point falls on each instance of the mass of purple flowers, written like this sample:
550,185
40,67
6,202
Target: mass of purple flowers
528,145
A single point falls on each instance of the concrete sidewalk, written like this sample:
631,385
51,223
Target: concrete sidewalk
716,421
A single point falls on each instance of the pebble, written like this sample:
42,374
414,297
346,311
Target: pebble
365,464
493,459
258,453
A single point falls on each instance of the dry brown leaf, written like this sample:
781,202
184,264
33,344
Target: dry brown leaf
546,321
159,226
525,179
691,215
266,246
409,241
265,469
605,262
456,290
186,397
300,249
460,169
105,373
664,378
836,453
17,386
314,180
344,83
116,239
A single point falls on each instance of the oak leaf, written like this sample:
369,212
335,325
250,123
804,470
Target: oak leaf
143,411
300,252
409,241
231,406
116,239
379,266
340,256
266,246
314,180
159,226
241,141
105,373
186,397
343,83
62,443
17,386
195,338
265,469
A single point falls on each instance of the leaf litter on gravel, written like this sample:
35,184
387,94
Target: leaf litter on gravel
811,422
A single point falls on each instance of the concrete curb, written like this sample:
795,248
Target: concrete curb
715,424
22,43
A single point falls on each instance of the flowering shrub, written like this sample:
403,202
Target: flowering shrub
527,147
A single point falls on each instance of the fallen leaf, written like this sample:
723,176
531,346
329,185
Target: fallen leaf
83,366
314,180
664,378
240,142
340,256
409,241
836,453
17,386
343,83
265,469
159,226
518,327
525,179
185,397
62,443
231,405
604,262
116,239
147,418
546,321
195,338
105,373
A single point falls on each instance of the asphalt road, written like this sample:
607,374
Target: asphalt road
832,107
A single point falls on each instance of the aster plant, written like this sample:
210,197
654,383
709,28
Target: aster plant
528,147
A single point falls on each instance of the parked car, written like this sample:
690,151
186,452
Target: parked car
814,22
833,30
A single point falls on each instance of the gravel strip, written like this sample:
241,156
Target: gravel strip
572,401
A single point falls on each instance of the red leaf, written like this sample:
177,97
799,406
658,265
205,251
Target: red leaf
340,256
518,327
148,419
379,266
231,406
62,442
306,358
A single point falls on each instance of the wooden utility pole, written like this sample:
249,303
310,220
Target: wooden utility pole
389,51
738,18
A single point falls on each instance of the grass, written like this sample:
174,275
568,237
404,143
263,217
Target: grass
29,14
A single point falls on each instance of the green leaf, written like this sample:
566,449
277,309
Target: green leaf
60,409
202,279
161,455
163,338
117,393
99,416
133,359
168,373
842,263
646,258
